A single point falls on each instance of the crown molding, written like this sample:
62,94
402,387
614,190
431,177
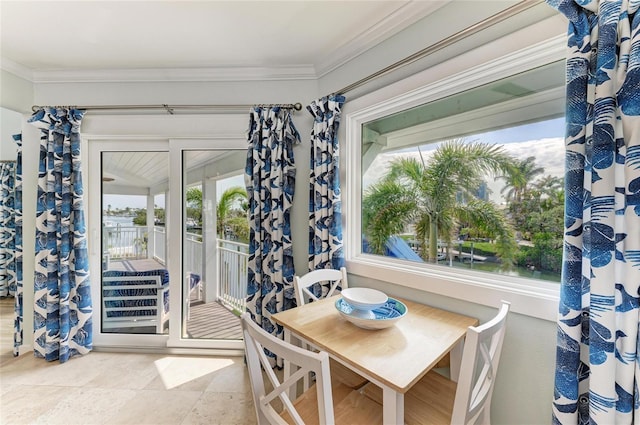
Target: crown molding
294,72
400,19
16,69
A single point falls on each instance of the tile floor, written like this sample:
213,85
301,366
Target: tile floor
124,388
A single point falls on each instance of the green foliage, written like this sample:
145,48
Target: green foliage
436,196
545,254
487,249
239,227
194,197
193,209
140,218
232,213
540,209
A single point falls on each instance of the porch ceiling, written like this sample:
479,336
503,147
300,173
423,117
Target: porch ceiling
145,170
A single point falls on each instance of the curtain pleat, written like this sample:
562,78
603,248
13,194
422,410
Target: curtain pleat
7,229
597,369
325,207
270,180
18,336
63,308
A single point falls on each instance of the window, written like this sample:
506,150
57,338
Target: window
462,186
506,220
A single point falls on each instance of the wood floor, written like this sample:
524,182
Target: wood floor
213,321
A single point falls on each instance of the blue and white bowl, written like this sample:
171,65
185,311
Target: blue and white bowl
381,317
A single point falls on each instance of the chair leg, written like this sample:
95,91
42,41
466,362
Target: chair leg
306,380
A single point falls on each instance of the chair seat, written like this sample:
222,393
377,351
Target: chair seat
350,407
428,402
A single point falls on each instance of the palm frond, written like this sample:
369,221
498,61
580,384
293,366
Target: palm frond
387,208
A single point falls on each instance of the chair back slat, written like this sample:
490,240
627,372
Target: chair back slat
256,341
331,279
480,359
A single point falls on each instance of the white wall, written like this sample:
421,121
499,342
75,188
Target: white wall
16,93
10,124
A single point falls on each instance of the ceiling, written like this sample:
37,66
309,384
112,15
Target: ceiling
42,38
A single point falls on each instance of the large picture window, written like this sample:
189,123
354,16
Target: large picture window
490,202
463,186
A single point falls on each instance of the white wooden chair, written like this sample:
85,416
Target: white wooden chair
332,279
321,404
438,400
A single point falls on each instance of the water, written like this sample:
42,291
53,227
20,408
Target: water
113,220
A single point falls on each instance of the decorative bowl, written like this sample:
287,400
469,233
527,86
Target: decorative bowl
364,298
383,317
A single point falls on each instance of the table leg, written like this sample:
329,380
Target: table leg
293,394
456,360
392,407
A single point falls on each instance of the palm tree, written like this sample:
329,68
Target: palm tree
194,204
519,177
437,195
194,197
228,204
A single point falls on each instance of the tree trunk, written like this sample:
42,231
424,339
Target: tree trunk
433,241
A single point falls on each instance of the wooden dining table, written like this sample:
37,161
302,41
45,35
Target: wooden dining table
394,358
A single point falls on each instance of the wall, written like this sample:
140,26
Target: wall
16,93
10,124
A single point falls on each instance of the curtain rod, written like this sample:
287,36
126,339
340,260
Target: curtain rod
468,31
7,160
171,108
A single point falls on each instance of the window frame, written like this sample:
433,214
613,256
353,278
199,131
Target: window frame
530,297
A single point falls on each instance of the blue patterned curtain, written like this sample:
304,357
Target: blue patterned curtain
17,324
325,207
270,179
597,364
7,229
63,309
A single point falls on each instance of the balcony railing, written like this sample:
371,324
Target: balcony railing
233,258
125,242
231,288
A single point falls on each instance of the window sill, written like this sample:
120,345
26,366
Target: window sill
529,297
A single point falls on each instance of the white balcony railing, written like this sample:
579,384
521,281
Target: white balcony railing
232,265
125,242
192,256
159,243
233,259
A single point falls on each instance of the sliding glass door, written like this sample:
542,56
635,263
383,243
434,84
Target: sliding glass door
169,243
